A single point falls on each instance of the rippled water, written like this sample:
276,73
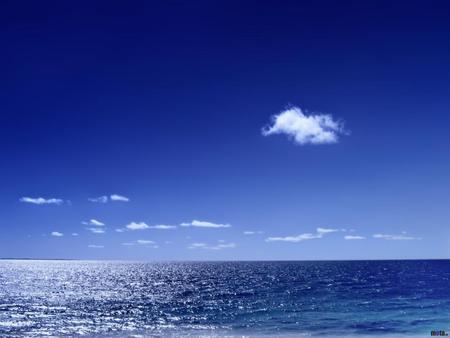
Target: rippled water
57,298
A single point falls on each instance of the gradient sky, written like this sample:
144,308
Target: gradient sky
164,103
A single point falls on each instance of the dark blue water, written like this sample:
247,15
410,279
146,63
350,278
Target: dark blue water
66,298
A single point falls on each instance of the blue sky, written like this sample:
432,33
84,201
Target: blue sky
225,130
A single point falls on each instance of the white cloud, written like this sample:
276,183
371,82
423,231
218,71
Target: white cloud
121,230
293,239
144,241
74,234
325,231
303,129
101,199
94,222
223,246
204,224
41,200
119,198
95,246
320,232
57,234
250,232
220,246
351,237
96,230
163,227
197,245
137,226
97,223
395,237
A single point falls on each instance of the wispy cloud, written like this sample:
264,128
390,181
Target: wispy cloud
143,242
144,226
325,230
74,233
303,129
96,230
162,227
137,226
220,246
57,234
41,200
101,199
105,199
251,232
320,232
119,198
204,224
353,238
94,222
95,246
401,237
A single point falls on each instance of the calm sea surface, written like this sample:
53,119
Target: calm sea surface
347,298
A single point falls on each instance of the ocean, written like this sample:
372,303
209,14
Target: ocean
235,299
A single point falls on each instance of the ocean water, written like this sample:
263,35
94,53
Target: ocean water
115,299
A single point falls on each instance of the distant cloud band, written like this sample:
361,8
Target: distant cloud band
220,246
401,237
41,200
320,232
204,224
105,199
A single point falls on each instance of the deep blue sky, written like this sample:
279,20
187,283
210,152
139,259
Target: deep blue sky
164,101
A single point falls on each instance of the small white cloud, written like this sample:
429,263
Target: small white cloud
163,227
57,234
204,224
395,237
41,200
221,245
325,231
121,230
303,129
96,230
144,242
95,246
74,234
168,242
94,222
101,199
350,237
119,198
320,232
251,232
97,223
137,226
197,245
294,239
